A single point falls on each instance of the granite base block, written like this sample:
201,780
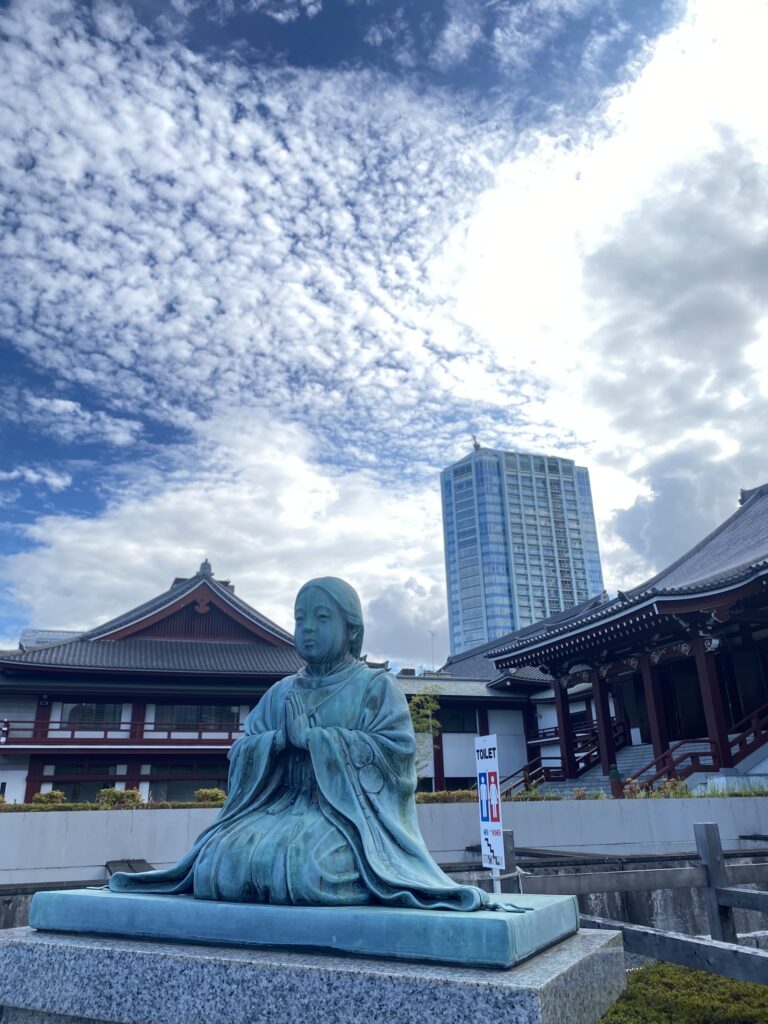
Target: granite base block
488,938
48,978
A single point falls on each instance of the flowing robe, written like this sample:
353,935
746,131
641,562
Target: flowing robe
333,824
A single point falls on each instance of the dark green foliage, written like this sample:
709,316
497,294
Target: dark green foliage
424,707
213,795
112,798
53,796
669,994
164,805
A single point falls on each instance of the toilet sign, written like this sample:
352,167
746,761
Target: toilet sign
489,799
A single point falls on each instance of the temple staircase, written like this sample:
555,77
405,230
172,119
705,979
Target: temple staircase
628,761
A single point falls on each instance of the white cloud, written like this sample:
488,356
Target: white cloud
190,237
621,263
43,476
267,516
65,419
329,280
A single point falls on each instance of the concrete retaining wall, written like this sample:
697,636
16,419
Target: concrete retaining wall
66,846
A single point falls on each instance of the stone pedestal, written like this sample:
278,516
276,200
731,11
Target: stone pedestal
48,978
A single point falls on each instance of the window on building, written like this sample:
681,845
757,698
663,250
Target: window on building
179,716
458,720
84,716
460,782
82,781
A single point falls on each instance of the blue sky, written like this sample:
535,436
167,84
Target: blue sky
267,265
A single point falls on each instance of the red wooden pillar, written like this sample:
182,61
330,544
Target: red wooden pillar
133,773
138,714
35,778
482,722
437,762
603,716
564,728
712,699
657,719
42,718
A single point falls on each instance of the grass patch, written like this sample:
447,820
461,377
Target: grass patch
669,994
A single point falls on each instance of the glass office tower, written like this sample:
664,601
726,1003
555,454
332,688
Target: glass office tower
520,542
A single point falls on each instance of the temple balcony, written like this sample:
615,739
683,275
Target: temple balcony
26,735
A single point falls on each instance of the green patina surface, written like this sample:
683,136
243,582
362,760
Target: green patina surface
487,938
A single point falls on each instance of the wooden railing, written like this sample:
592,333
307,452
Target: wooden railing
549,768
676,763
539,770
719,954
18,733
749,734
744,737
581,730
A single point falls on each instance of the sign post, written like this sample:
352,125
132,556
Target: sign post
489,799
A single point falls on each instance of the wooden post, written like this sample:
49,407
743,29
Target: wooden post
42,718
138,714
721,923
603,717
35,777
437,762
564,731
712,699
654,703
510,863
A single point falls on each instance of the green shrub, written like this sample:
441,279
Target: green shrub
110,797
672,789
214,796
669,994
54,796
751,789
530,795
2,798
448,796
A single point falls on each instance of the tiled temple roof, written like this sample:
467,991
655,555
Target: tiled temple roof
179,589
733,554
147,654
268,652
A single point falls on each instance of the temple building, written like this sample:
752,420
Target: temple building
150,700
676,668
154,698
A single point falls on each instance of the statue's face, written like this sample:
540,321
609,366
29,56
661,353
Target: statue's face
321,630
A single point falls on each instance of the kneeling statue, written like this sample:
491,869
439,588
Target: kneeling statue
321,806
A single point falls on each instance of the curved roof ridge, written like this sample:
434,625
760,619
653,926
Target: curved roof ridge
748,500
154,604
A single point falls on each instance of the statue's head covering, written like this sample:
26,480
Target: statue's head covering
346,598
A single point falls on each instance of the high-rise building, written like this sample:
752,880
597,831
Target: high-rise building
520,542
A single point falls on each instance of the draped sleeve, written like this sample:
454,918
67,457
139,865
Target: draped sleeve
367,780
254,776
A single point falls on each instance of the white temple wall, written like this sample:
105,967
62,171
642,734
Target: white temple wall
75,846
13,772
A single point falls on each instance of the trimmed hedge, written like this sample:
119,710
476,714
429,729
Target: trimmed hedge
161,806
669,994
452,796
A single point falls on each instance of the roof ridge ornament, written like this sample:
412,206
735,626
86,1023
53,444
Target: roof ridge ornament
205,568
